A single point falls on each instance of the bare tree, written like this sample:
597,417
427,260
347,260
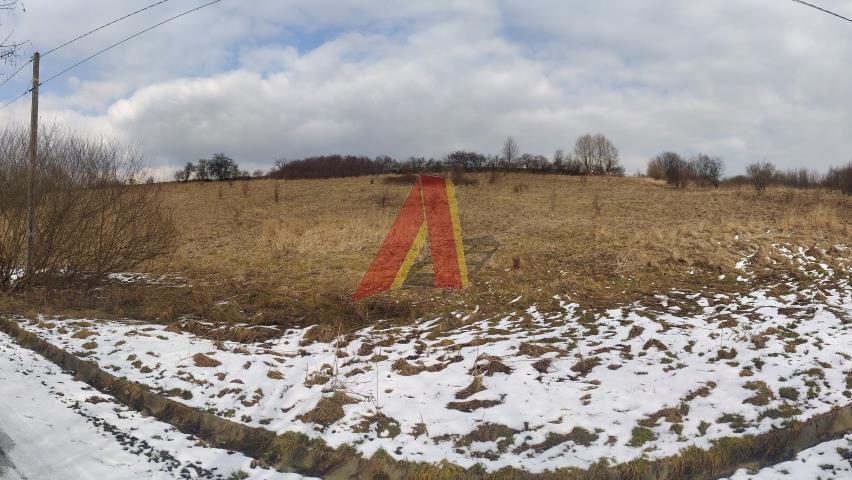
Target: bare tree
202,169
510,152
222,167
655,170
8,47
558,159
534,162
673,167
584,153
185,173
607,156
706,170
840,179
597,155
90,219
760,174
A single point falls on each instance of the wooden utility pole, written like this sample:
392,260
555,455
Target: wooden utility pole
28,267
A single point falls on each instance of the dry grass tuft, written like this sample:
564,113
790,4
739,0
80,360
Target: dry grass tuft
488,432
202,360
386,427
328,410
402,367
488,365
535,350
84,333
585,365
475,386
472,405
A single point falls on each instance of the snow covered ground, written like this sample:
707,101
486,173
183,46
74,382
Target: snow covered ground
538,388
53,427
826,461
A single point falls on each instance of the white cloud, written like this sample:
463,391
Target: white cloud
745,80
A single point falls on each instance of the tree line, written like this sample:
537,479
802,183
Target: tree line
219,167
592,155
704,170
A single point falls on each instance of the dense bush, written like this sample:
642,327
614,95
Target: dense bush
760,175
840,179
332,166
90,219
701,169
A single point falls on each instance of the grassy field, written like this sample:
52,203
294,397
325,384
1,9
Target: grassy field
620,322
296,256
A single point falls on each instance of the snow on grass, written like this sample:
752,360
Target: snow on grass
52,426
538,388
826,461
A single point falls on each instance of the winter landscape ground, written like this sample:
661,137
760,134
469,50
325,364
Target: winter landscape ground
620,322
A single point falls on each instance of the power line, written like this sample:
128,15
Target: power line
823,10
15,99
129,38
69,42
16,72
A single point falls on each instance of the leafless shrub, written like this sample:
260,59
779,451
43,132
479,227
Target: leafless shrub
705,170
90,219
656,170
458,177
596,206
840,179
701,169
672,166
760,175
384,198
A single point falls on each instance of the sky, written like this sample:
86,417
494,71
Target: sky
260,80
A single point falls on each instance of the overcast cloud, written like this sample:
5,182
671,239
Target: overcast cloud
264,79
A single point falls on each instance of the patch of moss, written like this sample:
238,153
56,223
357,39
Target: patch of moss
736,421
640,436
788,393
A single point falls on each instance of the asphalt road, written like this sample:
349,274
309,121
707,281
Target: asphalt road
8,470
51,429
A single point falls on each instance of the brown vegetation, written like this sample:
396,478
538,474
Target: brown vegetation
89,218
298,260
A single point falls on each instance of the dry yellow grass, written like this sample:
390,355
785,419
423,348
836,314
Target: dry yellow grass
594,240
